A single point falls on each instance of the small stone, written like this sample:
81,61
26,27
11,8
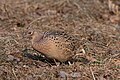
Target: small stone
17,59
10,58
63,74
75,74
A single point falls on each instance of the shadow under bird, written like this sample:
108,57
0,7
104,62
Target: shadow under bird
55,44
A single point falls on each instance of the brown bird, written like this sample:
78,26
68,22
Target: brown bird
55,45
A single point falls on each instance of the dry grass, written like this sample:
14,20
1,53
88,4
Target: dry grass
89,20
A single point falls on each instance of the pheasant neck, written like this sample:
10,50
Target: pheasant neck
36,38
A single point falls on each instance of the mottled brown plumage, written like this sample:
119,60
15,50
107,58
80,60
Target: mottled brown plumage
55,45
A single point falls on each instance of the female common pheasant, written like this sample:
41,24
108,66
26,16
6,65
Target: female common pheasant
55,45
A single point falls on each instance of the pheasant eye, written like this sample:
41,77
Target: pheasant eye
29,32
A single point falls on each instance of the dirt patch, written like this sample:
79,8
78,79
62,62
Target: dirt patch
87,19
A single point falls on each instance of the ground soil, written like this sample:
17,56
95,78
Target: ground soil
89,20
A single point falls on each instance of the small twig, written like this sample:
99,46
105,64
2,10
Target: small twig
83,50
92,74
6,11
48,62
78,6
57,64
110,57
42,17
108,43
36,20
109,5
14,74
